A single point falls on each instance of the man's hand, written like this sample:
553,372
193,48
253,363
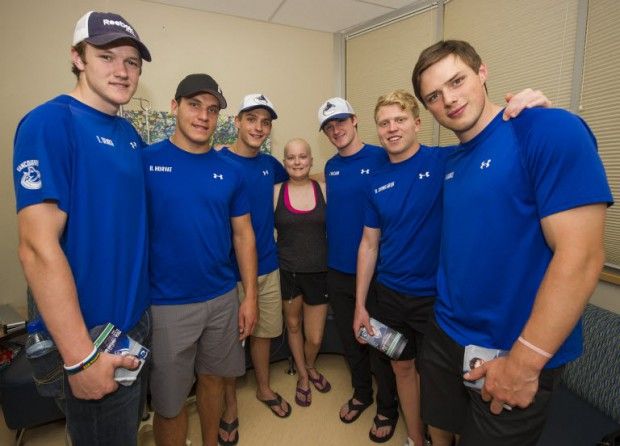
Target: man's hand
97,381
527,98
361,319
506,382
248,317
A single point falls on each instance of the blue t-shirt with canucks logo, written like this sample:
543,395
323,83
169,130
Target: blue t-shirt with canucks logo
90,164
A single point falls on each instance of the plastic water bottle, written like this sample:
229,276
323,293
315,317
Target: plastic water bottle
385,339
39,341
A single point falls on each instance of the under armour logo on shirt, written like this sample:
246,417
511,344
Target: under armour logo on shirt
216,176
265,173
365,172
423,175
485,164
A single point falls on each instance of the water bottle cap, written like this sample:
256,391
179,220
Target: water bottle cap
35,325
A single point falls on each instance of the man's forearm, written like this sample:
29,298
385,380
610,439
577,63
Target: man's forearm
53,287
562,296
366,262
245,251
576,238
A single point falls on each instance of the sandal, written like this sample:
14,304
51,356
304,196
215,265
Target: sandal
361,407
277,401
306,401
321,381
228,428
378,422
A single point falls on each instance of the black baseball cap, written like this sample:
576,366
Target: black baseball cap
199,83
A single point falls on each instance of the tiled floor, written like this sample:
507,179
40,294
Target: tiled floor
317,425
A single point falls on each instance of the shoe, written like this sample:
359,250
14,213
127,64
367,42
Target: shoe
321,384
228,427
277,401
361,407
378,422
306,401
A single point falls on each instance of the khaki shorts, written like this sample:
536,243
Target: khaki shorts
193,338
269,305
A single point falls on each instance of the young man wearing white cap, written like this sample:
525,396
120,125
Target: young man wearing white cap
346,177
198,213
94,270
261,171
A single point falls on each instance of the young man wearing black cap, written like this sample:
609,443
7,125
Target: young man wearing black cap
75,160
198,212
261,171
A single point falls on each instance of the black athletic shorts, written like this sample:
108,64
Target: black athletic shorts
447,404
406,314
312,286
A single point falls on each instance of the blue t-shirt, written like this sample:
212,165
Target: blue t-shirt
260,174
497,188
191,199
347,179
405,203
90,164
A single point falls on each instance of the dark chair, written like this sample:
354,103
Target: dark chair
22,405
585,411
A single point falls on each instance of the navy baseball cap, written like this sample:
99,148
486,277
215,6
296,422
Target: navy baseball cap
101,28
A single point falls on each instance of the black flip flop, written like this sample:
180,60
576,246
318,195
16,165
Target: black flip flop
361,407
391,422
277,401
228,427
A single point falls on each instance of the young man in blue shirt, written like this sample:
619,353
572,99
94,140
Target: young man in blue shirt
81,212
260,171
198,214
401,238
532,190
346,177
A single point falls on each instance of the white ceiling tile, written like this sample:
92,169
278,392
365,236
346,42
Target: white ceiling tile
319,15
327,15
249,9
394,4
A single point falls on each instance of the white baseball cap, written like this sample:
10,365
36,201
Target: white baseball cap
258,100
334,108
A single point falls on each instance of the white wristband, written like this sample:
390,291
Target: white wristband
532,347
82,362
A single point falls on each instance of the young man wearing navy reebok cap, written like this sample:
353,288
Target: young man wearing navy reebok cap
81,213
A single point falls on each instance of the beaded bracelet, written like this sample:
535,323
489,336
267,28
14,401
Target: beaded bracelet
83,364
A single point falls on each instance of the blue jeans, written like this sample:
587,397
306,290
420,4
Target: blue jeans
114,419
